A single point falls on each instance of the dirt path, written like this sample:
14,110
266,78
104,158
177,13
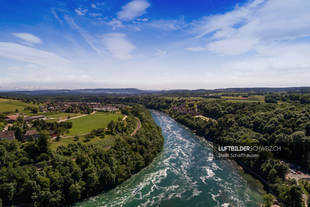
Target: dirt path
76,117
137,128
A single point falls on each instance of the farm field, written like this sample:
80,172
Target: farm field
9,105
243,99
86,124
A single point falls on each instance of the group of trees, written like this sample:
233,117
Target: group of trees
32,109
57,128
288,97
79,108
20,127
32,173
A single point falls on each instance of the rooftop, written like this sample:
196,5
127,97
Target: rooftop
10,135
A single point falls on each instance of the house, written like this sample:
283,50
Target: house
7,135
12,118
31,134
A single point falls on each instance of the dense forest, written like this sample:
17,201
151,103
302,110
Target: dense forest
32,173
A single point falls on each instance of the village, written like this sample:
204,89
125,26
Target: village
49,112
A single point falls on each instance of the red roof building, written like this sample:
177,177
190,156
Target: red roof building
12,118
7,135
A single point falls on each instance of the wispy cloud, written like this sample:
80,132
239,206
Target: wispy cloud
196,49
56,16
87,37
29,38
93,6
167,24
115,23
133,10
80,11
245,28
95,14
118,45
30,55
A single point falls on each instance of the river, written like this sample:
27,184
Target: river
184,174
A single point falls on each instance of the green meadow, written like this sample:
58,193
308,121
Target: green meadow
86,124
107,141
9,105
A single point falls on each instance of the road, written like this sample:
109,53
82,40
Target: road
299,176
137,128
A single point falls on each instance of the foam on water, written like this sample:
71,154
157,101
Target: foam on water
184,174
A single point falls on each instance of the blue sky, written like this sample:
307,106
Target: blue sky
154,44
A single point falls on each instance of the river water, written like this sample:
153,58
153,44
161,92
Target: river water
184,174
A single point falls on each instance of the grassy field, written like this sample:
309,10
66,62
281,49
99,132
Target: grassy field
107,141
86,124
9,105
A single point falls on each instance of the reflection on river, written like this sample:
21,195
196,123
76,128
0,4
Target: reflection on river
184,174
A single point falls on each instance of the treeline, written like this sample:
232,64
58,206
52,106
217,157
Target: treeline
288,97
31,173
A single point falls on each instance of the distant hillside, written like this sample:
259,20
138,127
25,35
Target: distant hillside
134,91
98,91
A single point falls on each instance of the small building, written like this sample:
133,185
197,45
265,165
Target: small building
31,134
7,135
12,118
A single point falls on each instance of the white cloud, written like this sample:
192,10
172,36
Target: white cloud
133,9
258,22
29,38
30,55
118,45
80,11
93,6
275,65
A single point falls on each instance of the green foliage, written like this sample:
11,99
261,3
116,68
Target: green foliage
268,200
